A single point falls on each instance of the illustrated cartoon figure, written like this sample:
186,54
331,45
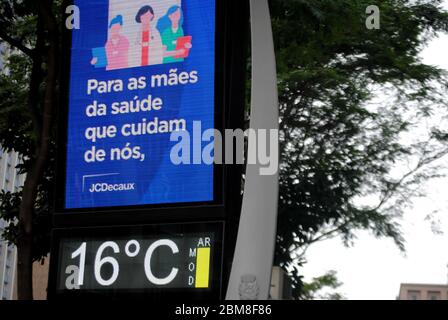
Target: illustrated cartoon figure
175,44
148,38
117,46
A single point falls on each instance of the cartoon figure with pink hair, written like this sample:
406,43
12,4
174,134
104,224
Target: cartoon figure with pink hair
116,48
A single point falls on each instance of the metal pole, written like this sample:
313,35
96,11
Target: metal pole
252,264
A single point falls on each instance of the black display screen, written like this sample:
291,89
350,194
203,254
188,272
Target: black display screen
144,258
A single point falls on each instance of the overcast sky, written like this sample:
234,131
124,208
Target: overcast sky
374,268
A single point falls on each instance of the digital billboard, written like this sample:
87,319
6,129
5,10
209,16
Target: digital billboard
140,71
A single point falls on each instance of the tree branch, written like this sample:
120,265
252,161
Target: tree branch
16,44
324,236
36,77
423,161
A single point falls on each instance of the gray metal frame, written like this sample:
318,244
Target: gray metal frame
252,264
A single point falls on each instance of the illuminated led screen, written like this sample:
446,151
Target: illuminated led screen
158,259
141,73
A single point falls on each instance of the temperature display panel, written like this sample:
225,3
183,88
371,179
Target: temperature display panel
165,259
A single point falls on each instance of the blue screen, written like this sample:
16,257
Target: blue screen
140,71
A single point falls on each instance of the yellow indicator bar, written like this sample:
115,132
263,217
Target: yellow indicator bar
202,267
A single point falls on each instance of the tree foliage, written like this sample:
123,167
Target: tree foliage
17,134
337,145
28,103
323,288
